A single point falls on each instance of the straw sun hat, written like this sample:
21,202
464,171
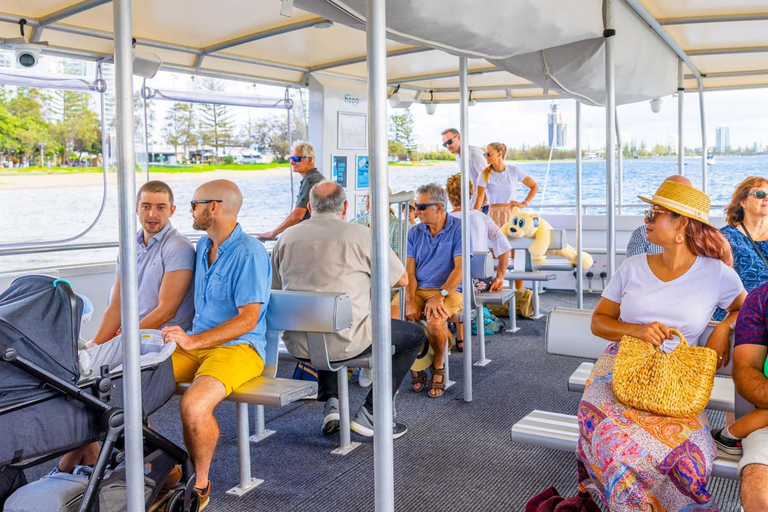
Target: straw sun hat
682,199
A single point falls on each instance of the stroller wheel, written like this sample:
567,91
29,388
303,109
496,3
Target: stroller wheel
176,502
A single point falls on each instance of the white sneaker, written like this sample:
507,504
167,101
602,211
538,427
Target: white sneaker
366,377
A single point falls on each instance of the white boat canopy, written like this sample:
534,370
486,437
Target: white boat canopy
517,50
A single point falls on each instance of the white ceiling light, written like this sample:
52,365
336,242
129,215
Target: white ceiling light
431,107
323,24
656,105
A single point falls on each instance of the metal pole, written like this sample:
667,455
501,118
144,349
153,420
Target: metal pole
579,215
466,279
703,138
620,148
680,98
376,46
610,139
146,129
129,303
290,144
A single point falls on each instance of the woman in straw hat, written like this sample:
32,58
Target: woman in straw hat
634,458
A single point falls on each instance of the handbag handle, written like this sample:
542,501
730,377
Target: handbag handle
677,333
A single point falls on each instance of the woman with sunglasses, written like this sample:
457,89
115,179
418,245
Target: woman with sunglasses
747,232
498,182
632,457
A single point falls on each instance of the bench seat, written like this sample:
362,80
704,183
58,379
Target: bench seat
266,391
553,265
721,399
529,276
561,432
497,297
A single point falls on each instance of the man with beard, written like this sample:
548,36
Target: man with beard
165,258
165,261
225,347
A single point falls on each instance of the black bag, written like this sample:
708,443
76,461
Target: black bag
10,480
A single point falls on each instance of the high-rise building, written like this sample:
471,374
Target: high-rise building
722,139
558,127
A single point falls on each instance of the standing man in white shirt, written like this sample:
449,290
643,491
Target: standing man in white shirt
452,142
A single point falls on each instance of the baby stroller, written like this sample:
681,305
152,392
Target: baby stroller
47,409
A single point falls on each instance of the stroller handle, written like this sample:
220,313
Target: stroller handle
7,354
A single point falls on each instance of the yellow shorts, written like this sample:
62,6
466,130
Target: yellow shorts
232,365
452,302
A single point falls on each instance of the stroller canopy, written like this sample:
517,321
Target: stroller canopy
40,321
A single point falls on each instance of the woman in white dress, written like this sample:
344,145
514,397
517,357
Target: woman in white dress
498,182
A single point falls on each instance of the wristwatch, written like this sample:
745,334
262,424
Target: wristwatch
443,293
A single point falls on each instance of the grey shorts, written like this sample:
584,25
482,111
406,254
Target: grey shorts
755,449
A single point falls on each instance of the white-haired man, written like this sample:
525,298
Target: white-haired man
303,162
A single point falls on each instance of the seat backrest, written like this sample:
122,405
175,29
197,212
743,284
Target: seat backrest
311,312
481,265
569,333
557,240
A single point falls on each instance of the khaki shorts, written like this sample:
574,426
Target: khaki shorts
452,302
755,449
232,365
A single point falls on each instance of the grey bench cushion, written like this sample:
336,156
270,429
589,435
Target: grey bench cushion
266,391
554,265
497,297
561,432
529,276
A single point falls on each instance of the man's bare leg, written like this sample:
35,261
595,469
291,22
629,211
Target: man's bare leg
84,455
201,432
754,488
437,333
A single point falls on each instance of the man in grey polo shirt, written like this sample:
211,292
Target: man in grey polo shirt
303,162
166,262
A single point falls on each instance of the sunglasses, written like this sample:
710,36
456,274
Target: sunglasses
448,142
296,159
488,155
193,204
759,194
423,206
651,214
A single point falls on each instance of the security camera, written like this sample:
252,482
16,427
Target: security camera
27,56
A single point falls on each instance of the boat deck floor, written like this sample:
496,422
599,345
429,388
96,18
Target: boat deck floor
456,456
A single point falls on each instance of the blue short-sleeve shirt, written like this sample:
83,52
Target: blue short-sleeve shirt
241,275
434,255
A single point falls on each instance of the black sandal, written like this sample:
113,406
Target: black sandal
437,386
418,378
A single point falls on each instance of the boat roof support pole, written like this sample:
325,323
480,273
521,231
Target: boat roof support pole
680,103
610,138
466,280
703,137
290,145
129,299
620,148
146,130
383,461
579,213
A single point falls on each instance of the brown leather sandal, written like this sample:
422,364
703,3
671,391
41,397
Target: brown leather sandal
436,386
420,379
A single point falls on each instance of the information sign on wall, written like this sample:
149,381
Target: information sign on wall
363,178
339,174
352,131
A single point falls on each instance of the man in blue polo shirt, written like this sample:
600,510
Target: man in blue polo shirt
434,273
225,348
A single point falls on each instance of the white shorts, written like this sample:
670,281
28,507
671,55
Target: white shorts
755,449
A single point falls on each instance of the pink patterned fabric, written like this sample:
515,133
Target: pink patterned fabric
635,460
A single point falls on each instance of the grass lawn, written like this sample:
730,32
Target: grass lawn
29,171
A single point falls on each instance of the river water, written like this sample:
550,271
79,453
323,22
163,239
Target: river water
41,214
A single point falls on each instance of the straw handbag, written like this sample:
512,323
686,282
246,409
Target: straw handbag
677,384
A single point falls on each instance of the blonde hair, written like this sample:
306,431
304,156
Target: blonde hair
497,146
453,188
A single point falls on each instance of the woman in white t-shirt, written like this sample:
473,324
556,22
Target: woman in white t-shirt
498,183
660,460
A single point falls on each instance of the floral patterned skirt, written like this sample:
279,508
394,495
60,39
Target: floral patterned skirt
636,460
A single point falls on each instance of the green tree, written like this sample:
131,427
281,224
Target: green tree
181,127
216,123
8,127
272,135
402,130
397,149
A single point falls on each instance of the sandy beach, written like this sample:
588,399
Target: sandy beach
21,181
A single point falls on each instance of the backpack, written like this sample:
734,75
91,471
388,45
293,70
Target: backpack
491,323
